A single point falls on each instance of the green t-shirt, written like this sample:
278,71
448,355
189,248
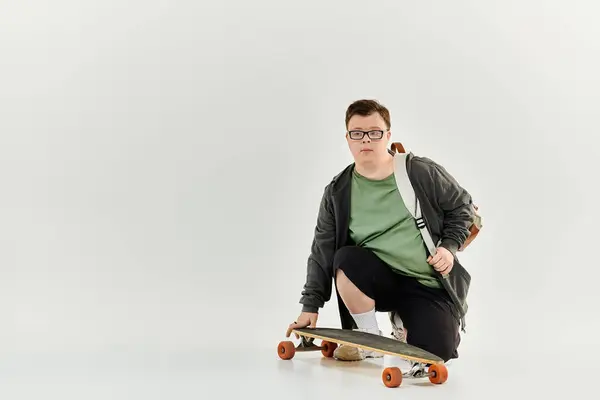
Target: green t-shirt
379,221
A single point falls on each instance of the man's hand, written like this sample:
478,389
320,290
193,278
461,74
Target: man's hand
443,261
304,320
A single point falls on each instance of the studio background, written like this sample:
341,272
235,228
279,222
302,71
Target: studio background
162,164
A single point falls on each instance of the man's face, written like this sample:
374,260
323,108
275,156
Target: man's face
371,146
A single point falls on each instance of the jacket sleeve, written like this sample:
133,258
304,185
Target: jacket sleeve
317,289
457,206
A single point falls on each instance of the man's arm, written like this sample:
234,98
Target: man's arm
452,199
457,205
317,289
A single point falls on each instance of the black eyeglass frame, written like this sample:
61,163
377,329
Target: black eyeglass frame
371,134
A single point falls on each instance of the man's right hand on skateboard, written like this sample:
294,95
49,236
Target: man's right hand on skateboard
305,319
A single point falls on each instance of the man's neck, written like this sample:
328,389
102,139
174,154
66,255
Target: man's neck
377,170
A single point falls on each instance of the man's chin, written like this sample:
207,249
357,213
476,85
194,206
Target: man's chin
366,159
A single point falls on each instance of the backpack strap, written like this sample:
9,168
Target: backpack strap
410,199
397,147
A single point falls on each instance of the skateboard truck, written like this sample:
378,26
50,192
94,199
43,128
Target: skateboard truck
308,344
418,370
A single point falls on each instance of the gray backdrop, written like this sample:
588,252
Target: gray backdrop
162,162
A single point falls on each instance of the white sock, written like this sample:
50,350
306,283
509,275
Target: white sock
367,321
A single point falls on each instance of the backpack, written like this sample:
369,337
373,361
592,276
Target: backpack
412,203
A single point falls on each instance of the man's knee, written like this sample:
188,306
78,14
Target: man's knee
347,272
346,258
441,342
446,349
443,348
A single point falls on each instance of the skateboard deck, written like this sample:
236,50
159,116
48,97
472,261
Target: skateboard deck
391,376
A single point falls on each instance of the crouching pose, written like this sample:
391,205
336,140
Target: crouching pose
368,244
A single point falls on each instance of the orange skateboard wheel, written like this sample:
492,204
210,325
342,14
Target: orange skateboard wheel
438,373
392,377
286,350
328,348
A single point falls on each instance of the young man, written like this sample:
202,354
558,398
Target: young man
368,244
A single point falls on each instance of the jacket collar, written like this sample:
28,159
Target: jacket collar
341,181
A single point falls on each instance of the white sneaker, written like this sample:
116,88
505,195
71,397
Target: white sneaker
350,353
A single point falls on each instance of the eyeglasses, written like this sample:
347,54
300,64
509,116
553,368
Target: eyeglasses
373,135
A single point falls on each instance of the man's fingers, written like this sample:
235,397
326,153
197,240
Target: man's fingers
446,269
290,328
298,325
441,266
436,258
309,320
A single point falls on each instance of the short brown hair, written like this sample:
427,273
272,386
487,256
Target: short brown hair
367,107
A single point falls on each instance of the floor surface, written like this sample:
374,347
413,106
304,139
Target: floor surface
236,374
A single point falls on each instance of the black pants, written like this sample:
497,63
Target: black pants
425,312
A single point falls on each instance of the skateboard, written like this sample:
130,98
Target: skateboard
391,376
